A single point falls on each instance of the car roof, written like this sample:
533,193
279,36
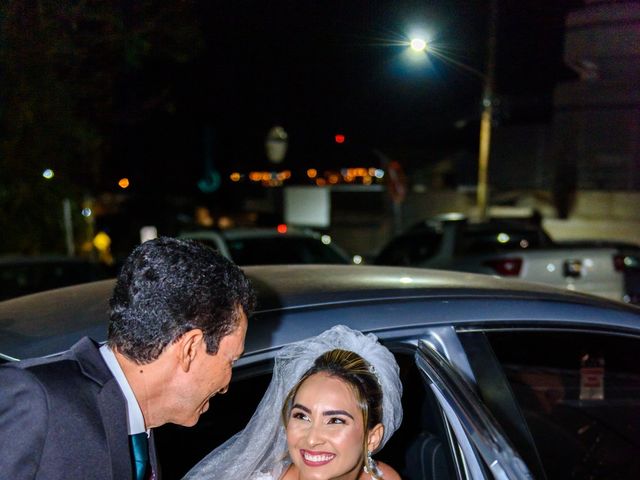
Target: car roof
49,322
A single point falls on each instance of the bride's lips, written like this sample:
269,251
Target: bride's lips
316,459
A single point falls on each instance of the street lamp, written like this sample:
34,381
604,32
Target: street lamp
418,44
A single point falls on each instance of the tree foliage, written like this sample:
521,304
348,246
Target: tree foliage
75,74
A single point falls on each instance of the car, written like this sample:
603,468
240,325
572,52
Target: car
627,261
24,274
501,379
519,249
278,245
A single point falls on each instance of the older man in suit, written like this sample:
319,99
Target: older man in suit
178,322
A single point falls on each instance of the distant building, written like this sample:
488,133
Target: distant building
596,126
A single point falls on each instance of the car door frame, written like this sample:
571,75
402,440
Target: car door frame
478,434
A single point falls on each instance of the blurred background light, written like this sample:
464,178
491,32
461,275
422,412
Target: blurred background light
123,182
86,212
326,239
47,173
503,237
102,241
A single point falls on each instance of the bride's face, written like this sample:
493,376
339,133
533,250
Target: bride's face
325,431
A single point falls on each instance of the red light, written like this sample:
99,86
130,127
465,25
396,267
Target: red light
282,228
339,138
506,267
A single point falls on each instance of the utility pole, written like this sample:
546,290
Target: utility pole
487,112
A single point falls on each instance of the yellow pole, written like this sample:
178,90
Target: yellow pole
485,120
483,161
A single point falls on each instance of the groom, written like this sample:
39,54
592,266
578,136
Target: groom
177,323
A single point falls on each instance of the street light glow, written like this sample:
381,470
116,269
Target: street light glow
47,173
418,44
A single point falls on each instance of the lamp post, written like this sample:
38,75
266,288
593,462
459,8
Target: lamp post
420,45
486,118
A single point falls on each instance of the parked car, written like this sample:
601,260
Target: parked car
21,275
501,379
508,248
627,261
270,246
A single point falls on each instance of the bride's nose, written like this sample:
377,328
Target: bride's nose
315,434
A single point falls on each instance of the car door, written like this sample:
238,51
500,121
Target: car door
484,451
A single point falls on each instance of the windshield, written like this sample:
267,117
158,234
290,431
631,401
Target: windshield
282,250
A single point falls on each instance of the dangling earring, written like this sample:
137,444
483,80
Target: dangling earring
370,466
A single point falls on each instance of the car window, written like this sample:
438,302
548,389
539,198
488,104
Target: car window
25,278
498,239
282,250
410,249
418,450
580,395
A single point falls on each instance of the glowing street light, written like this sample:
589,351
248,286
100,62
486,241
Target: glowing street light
418,44
48,174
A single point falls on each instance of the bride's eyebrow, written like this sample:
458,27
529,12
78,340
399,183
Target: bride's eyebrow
301,407
329,413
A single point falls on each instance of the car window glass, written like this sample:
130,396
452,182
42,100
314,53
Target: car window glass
420,448
580,395
410,249
31,277
282,250
498,239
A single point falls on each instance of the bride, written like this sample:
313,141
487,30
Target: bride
333,401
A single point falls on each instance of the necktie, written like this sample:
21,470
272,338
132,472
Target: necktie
140,450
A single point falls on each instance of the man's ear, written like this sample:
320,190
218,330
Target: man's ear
375,437
188,346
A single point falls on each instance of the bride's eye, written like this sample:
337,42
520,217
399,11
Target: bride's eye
299,416
337,421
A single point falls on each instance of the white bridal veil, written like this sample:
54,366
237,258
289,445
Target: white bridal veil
260,450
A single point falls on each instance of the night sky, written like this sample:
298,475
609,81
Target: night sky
321,68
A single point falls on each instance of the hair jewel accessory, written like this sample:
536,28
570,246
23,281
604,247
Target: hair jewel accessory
373,370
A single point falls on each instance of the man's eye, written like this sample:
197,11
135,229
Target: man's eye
299,416
337,421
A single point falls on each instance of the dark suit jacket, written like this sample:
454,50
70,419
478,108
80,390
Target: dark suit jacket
64,418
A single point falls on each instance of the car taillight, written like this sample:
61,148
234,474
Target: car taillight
506,267
282,228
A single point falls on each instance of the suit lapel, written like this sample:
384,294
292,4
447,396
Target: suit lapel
112,405
114,420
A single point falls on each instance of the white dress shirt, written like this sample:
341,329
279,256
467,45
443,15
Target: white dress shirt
135,420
